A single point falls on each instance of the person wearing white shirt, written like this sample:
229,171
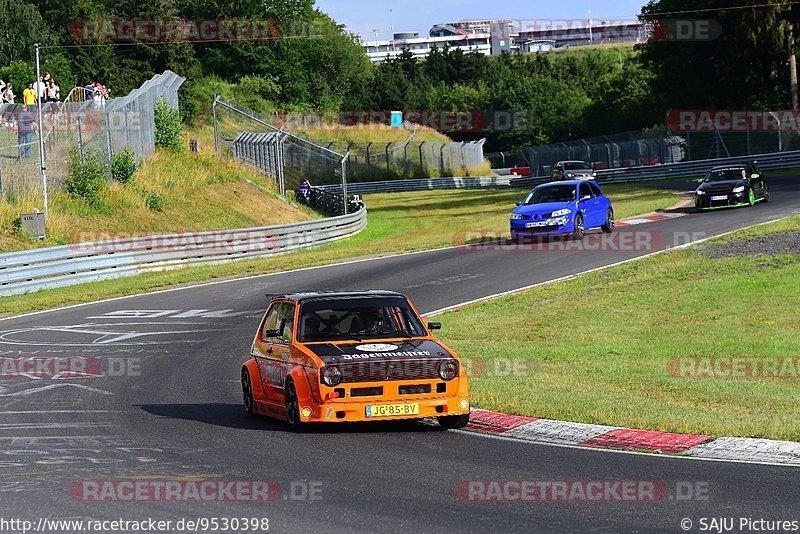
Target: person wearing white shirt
41,90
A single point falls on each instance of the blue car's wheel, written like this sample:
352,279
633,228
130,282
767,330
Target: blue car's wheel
608,227
580,230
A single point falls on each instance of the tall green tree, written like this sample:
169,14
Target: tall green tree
746,66
21,26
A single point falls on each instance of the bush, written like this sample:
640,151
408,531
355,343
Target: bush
154,202
123,165
20,74
168,127
87,179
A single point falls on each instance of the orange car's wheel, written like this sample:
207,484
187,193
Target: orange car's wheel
292,407
247,392
452,422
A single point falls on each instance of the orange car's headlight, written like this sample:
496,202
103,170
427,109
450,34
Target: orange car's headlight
448,370
331,376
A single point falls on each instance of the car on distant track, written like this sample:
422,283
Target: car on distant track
352,357
562,208
572,170
729,186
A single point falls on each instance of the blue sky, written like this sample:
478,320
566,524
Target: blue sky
362,16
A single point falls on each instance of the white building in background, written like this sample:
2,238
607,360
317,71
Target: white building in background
490,37
421,47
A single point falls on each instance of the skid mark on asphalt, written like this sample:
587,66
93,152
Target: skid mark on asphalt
42,389
457,279
100,334
65,458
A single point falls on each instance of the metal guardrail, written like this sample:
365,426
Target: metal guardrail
688,169
34,270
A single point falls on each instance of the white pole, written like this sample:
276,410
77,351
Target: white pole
41,134
391,22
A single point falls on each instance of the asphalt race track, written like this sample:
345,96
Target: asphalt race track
177,412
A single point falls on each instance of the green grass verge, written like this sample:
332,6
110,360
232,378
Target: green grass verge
169,193
596,349
398,222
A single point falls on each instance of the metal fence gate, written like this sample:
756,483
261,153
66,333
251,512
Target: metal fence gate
249,138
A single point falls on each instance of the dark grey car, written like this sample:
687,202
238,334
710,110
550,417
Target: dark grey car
572,170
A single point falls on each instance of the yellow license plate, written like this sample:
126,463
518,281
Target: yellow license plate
392,410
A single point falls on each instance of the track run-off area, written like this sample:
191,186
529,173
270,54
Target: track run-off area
161,401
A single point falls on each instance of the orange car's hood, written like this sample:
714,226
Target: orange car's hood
378,350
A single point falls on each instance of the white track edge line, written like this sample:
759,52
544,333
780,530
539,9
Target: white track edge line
596,269
617,451
227,281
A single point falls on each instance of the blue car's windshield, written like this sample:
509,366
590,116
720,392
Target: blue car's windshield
551,193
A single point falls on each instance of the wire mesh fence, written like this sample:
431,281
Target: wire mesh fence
297,165
638,148
78,124
506,159
293,159
412,159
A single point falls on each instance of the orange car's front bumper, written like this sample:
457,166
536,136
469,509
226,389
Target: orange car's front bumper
453,401
352,411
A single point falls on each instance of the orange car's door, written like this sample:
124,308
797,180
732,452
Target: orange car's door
274,346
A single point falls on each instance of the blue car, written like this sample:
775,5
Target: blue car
562,208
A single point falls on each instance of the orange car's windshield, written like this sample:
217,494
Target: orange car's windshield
361,318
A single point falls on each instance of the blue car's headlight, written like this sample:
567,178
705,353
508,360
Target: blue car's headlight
517,217
739,189
561,213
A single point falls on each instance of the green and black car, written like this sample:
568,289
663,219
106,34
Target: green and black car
731,186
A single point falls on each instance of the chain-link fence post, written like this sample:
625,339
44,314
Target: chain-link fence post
214,114
80,139
344,182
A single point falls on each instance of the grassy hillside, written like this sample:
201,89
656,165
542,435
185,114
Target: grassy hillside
373,133
169,193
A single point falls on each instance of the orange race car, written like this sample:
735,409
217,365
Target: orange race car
346,357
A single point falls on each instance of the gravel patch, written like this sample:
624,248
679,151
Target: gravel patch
768,245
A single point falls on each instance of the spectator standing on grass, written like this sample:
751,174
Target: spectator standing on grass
97,94
26,125
3,122
41,90
29,96
8,95
89,91
53,91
